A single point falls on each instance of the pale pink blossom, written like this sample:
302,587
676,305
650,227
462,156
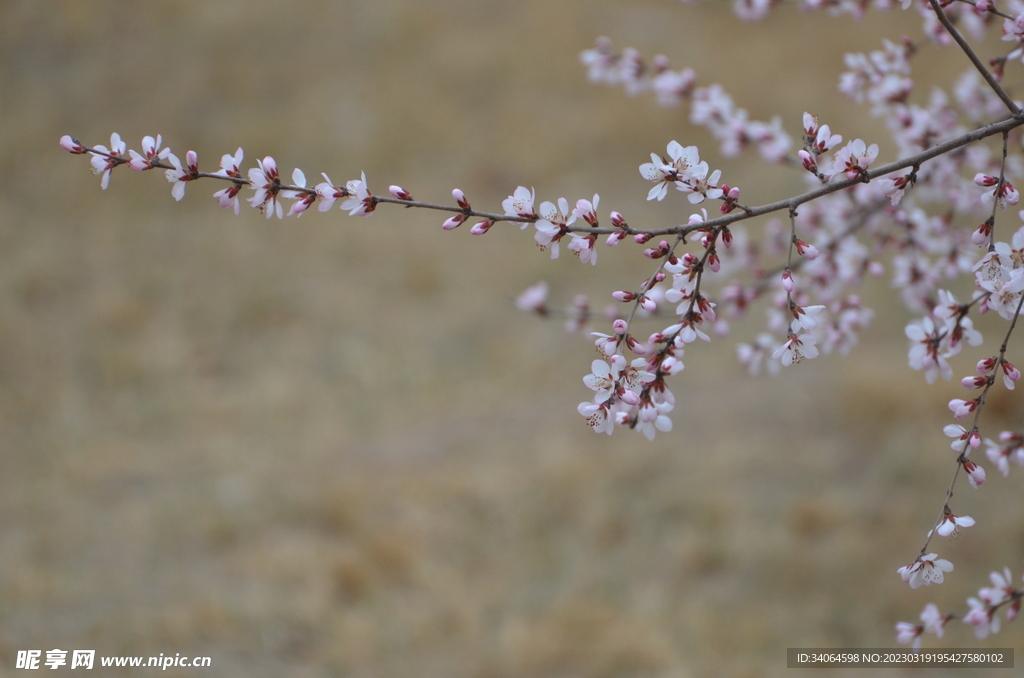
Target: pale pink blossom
950,523
520,203
303,199
102,165
667,171
534,298
359,201
982,616
230,166
795,349
553,224
151,154
587,210
975,473
266,181
180,175
926,570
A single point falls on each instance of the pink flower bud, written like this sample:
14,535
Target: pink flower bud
975,440
71,145
1011,372
620,326
641,238
806,251
1010,194
622,295
481,227
985,180
981,235
810,125
648,304
618,221
635,346
975,473
974,382
460,198
585,210
788,281
983,5
454,222
961,408
399,192
726,237
987,365
615,238
714,263
807,160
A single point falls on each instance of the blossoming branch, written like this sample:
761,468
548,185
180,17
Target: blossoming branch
922,208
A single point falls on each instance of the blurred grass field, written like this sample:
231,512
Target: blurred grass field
332,447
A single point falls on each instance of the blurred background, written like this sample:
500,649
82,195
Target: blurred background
332,447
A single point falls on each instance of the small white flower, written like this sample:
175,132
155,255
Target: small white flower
925,570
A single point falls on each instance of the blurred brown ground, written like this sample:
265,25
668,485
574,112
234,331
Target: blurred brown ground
331,446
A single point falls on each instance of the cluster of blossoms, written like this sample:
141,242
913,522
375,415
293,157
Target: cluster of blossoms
914,217
983,611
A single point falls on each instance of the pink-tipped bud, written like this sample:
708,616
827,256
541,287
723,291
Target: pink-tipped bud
399,192
806,251
481,227
981,235
984,180
726,236
192,162
615,238
71,145
807,160
983,5
975,473
453,222
620,326
618,221
985,366
714,263
1011,372
635,346
641,238
659,276
961,408
460,198
653,253
810,125
585,210
788,281
974,382
647,304
975,440
623,295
